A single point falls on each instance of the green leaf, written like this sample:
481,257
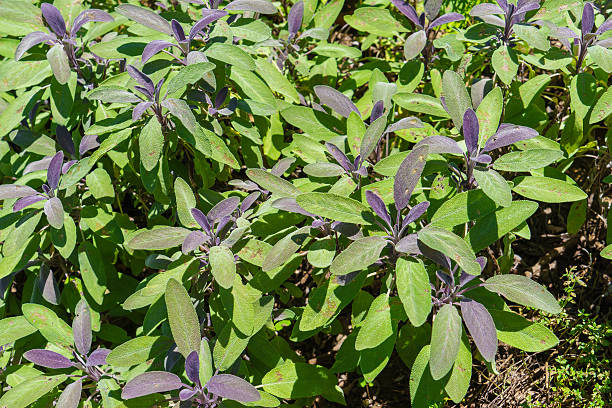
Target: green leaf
516,331
100,184
423,388
524,291
185,201
59,63
334,207
452,246
358,255
62,99
459,380
222,265
327,15
252,86
15,328
602,108
272,183
445,341
182,317
284,249
229,347
602,57
464,207
533,36
276,80
420,103
298,380
30,391
532,88
546,189
607,252
321,252
414,44
336,50
189,75
380,323
54,329
505,64
151,143
17,110
206,361
456,96
493,226
413,289
373,360
231,54
138,350
372,136
375,20
494,185
111,94
527,160
92,271
318,125
489,114
158,238
583,92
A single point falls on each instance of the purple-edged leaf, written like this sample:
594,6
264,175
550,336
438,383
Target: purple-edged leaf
48,285
71,396
440,144
186,393
208,17
54,210
294,20
480,324
414,44
140,109
193,241
408,245
27,201
290,205
606,26
178,31
150,383
60,65
339,156
15,191
81,327
88,142
378,205
146,17
377,110
87,16
47,358
232,387
54,19
30,41
470,131
445,19
408,175
64,138
142,79
55,169
223,208
282,166
415,213
406,9
153,48
508,134
336,100
371,138
588,19
192,367
256,6
201,219
98,357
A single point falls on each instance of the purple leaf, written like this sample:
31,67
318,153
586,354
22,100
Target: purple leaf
140,109
466,278
150,383
480,324
64,138
339,156
178,31
282,166
408,175
445,19
209,17
55,169
223,208
256,6
290,205
415,213
47,285
88,142
432,8
408,245
98,357
81,327
30,41
508,134
26,202
145,92
503,4
153,48
470,131
146,17
67,166
232,387
55,212
336,100
588,19
406,9
220,98
436,256
249,201
142,79
54,19
446,278
192,367
483,158
186,394
482,261
201,219
47,358
606,26
440,144
405,123
15,191
87,16
377,110
294,20
378,205
193,241
527,7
